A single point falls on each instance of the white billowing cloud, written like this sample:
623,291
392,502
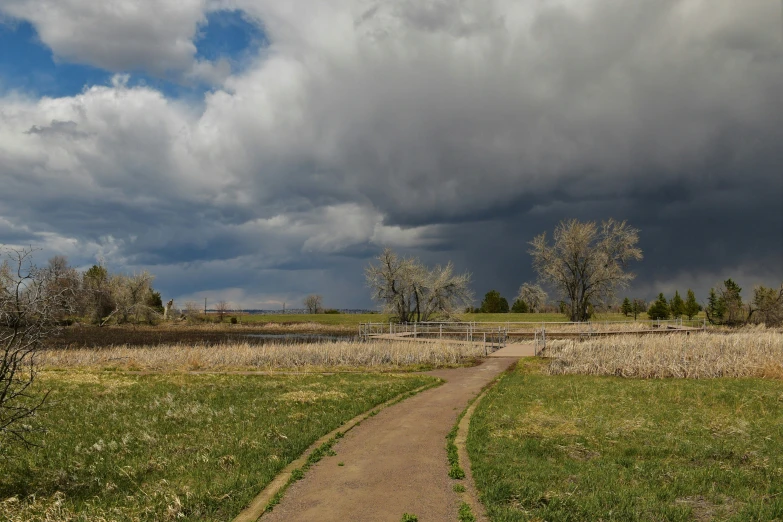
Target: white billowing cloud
155,36
367,123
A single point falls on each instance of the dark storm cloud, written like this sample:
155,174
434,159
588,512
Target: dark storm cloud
446,130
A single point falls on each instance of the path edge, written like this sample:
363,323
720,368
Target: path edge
470,495
263,501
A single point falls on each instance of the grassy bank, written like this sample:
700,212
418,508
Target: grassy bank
575,447
158,447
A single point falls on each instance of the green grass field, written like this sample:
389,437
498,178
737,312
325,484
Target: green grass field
355,319
605,448
174,446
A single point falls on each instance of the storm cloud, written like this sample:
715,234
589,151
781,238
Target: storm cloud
451,130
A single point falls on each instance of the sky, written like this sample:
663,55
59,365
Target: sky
258,151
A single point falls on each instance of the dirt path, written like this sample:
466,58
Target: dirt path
394,463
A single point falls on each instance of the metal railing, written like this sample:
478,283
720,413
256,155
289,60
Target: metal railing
470,332
497,333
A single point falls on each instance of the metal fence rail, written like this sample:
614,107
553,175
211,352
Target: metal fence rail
497,333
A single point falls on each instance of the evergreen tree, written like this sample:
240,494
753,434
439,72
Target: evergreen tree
659,309
520,307
716,307
677,305
691,306
626,308
494,303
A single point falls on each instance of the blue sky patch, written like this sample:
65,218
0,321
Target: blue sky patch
28,66
229,34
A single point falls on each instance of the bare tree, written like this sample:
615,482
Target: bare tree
221,309
533,296
767,306
65,281
192,310
411,292
97,294
130,295
29,306
314,303
586,263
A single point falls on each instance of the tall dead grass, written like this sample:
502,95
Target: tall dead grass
378,355
754,352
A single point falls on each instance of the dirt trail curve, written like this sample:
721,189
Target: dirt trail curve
394,463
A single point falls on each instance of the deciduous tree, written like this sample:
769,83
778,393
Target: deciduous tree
533,295
410,291
221,309
30,303
768,305
586,263
314,304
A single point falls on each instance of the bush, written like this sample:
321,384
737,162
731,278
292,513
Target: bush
233,320
331,311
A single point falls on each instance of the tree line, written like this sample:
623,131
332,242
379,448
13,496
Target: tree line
585,264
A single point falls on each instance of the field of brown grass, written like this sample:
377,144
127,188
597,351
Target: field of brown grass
373,356
751,352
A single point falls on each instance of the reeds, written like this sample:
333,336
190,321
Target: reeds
378,355
755,352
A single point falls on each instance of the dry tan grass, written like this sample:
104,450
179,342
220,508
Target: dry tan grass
619,326
379,355
753,352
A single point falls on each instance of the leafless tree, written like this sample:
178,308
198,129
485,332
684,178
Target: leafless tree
221,309
411,292
29,307
533,296
586,263
192,310
314,304
65,281
130,295
767,306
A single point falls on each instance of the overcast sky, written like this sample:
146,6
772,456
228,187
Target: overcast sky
260,150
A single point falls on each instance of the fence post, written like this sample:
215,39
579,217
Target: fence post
414,330
440,332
